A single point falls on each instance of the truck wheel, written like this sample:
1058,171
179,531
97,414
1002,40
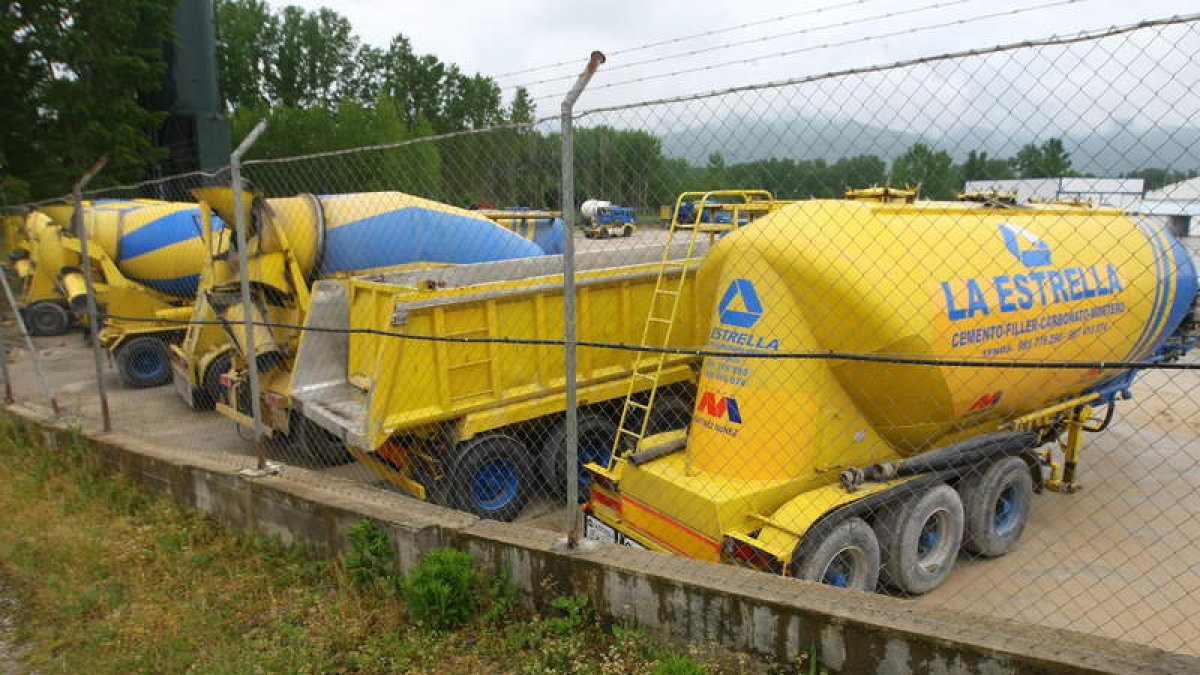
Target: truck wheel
491,477
46,318
919,539
671,411
627,231
318,447
996,503
144,362
209,392
847,557
596,434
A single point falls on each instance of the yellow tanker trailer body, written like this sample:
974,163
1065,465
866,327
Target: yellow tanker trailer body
929,456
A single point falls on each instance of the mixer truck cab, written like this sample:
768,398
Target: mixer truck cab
845,430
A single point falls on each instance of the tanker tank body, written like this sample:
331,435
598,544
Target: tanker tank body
853,471
297,240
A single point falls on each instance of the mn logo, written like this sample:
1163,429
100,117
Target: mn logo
1031,251
740,305
722,407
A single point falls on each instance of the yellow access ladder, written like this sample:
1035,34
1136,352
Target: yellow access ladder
664,302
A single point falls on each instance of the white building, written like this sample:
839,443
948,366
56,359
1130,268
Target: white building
1124,193
1179,204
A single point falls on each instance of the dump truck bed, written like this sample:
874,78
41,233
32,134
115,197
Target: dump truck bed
366,387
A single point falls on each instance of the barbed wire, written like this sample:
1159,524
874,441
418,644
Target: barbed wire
829,45
1051,41
767,38
693,36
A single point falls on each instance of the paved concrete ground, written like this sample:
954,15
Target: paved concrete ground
1120,559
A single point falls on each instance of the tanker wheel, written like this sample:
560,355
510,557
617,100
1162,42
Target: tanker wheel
46,318
996,503
209,393
491,477
919,538
627,231
846,556
596,434
144,362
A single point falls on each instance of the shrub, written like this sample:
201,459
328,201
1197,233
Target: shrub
442,591
370,559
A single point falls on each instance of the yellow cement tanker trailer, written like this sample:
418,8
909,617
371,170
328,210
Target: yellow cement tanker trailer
295,241
851,466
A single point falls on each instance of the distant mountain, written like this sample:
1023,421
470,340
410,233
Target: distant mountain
1106,152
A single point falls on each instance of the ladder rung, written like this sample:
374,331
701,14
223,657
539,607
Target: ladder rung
659,319
635,404
629,432
646,376
666,292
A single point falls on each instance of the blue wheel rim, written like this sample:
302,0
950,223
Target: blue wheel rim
841,569
592,450
495,484
1007,510
930,536
147,365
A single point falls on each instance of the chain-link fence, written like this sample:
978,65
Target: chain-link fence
920,328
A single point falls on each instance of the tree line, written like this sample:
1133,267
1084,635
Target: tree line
83,78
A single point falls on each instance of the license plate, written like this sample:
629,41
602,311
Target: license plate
597,530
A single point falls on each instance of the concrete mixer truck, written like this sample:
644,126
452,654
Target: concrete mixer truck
881,448
293,242
146,257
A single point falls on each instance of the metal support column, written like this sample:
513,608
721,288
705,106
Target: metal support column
568,213
239,214
80,231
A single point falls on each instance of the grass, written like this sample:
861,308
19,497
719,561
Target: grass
112,581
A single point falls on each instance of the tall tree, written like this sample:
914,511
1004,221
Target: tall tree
78,73
932,170
1048,160
978,166
247,40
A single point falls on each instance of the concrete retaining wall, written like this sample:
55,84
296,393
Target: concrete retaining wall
732,608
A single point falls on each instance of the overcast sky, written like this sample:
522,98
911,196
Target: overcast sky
496,38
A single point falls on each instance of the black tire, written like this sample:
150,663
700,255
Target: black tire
47,318
491,477
210,392
144,362
847,556
996,504
919,537
316,446
627,231
596,434
672,410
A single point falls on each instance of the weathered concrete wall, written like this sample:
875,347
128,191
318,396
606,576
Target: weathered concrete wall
687,599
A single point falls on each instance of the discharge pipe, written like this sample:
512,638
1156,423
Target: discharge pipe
970,451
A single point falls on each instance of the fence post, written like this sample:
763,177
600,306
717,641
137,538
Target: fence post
86,263
33,353
571,422
239,216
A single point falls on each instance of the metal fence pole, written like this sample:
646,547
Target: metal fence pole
239,216
33,352
571,422
8,389
86,264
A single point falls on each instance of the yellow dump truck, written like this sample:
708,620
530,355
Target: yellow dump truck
478,425
877,450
